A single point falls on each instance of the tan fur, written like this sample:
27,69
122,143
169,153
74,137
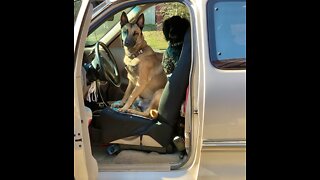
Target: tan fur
145,73
152,110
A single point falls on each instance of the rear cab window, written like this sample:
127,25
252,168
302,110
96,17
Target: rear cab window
227,33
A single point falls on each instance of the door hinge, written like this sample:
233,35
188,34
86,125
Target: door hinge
78,140
195,111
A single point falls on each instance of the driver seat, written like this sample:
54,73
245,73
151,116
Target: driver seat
136,132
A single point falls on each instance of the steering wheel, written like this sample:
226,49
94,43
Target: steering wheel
106,65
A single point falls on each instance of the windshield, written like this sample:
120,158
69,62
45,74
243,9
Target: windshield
104,28
76,8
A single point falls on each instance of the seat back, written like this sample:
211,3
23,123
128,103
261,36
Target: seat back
174,92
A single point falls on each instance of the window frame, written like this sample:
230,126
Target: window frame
76,8
120,5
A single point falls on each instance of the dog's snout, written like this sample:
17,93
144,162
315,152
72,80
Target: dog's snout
128,42
173,34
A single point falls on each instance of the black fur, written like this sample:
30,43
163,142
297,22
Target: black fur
173,29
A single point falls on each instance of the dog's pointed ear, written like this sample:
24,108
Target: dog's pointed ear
123,19
140,21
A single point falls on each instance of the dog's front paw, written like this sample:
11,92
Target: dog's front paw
124,109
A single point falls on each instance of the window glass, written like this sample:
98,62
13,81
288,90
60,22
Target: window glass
227,30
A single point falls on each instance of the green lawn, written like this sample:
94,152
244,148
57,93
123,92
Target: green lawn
155,39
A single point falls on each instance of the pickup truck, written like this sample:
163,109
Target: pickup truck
207,140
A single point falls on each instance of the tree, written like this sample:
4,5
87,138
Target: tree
174,9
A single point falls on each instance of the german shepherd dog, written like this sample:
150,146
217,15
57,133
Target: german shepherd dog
145,72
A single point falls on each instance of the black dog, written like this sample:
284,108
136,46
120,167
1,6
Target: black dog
173,29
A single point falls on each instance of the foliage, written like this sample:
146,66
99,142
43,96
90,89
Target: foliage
174,9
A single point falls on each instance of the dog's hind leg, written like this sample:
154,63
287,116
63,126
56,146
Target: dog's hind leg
154,104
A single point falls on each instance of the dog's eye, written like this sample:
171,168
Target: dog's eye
135,33
125,32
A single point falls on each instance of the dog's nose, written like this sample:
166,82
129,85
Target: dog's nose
128,42
172,36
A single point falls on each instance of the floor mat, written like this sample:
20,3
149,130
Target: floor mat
133,157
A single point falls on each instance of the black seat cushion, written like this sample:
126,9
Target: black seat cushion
116,125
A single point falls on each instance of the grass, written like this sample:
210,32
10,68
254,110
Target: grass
155,39
149,27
